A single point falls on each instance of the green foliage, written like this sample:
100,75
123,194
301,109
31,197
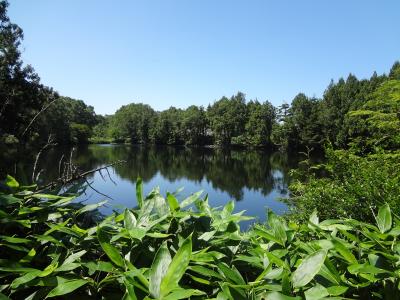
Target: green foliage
227,118
160,251
353,187
133,122
311,122
258,129
195,124
377,124
225,122
169,127
301,127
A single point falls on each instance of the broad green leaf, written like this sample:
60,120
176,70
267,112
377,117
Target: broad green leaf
316,293
344,251
3,297
47,196
130,291
11,182
139,192
50,268
329,272
137,233
66,288
279,296
74,256
177,267
365,268
268,235
183,294
110,250
6,200
308,268
129,220
384,218
189,200
158,270
28,258
160,206
90,207
68,267
205,272
228,209
25,278
206,236
158,235
103,266
274,273
208,256
173,202
232,274
14,240
336,290
314,218
277,227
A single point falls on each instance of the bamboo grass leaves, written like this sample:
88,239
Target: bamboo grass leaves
308,268
166,249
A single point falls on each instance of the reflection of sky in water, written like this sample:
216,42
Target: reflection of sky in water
124,194
254,179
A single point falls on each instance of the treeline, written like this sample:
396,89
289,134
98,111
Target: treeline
228,121
361,114
352,113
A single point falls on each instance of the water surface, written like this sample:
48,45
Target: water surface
255,180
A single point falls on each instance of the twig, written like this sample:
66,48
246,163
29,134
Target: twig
97,191
74,177
48,144
102,177
59,165
109,176
34,118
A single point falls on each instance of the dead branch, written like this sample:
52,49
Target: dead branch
44,108
88,183
48,144
71,175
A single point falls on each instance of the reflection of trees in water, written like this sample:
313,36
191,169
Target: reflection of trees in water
226,170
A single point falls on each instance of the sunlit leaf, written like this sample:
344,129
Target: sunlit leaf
66,288
177,267
158,270
308,268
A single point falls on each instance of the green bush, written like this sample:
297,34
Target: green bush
354,188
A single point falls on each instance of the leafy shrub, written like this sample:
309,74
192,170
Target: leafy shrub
80,133
354,188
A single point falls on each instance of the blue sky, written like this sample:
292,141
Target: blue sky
163,53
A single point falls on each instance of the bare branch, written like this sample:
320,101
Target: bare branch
48,144
97,190
72,175
34,118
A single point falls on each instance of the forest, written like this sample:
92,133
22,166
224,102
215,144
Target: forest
339,240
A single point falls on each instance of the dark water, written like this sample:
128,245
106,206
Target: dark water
254,179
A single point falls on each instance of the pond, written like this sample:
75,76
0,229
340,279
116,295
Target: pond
256,180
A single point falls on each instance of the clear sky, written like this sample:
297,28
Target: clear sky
163,53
